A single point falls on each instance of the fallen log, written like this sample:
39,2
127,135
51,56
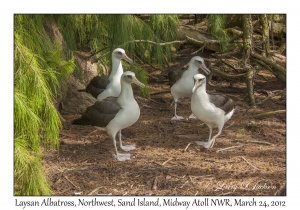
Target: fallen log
268,114
277,70
197,38
228,76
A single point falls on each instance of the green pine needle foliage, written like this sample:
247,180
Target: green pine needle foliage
39,73
164,26
216,28
41,70
93,33
29,175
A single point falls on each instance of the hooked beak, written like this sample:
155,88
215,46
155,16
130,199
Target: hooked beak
197,84
126,58
137,82
204,68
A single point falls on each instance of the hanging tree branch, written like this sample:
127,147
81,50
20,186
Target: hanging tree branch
187,40
102,56
136,41
97,52
157,43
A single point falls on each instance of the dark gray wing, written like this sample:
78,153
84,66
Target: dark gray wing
222,102
99,114
93,90
175,75
100,82
175,72
96,86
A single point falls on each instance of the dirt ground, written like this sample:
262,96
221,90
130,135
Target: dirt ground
167,161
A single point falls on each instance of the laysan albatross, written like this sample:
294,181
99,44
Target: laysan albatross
183,87
105,86
115,114
212,109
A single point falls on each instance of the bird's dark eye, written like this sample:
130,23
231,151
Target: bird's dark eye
120,53
129,76
200,62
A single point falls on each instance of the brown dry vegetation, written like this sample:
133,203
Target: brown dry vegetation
167,161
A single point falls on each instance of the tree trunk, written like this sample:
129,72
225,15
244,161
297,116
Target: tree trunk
265,33
249,82
272,32
247,37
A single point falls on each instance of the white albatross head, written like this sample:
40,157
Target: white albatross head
119,53
129,77
199,63
199,80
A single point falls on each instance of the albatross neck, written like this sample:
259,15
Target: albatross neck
201,92
191,71
116,68
126,95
